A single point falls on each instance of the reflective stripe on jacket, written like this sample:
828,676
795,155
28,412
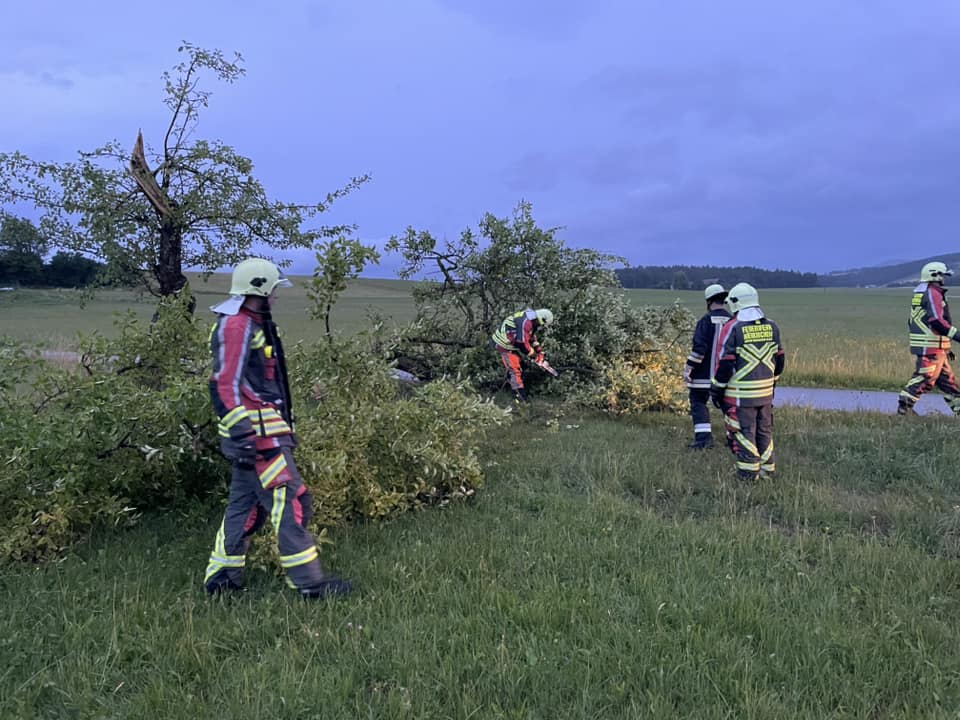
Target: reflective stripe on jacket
930,325
518,332
703,353
750,360
249,386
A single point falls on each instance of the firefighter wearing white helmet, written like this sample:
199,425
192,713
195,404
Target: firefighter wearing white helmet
750,361
702,362
251,397
931,330
517,338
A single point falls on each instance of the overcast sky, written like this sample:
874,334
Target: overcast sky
815,135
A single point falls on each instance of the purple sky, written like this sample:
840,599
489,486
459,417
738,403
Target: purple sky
815,135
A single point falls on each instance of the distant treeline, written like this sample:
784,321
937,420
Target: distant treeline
64,270
688,277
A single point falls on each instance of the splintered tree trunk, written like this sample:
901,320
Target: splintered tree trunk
169,268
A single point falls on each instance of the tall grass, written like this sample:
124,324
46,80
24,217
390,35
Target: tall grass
604,572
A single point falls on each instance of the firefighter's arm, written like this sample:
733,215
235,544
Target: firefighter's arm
718,385
938,320
778,362
235,428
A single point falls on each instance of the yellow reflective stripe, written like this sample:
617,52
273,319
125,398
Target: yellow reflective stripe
234,416
748,466
750,394
731,423
768,453
301,558
273,470
258,340
747,384
746,444
279,501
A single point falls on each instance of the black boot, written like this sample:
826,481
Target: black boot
905,407
521,396
701,441
330,586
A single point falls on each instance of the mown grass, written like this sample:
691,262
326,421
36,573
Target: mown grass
603,572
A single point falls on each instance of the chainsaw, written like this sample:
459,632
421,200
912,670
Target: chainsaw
541,362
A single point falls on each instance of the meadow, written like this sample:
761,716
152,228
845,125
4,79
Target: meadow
603,571
835,337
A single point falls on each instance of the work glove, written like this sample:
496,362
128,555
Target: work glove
716,395
687,373
242,452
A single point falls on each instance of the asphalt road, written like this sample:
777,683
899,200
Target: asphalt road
856,400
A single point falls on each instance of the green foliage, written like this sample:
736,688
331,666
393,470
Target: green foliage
125,430
129,429
189,203
338,260
511,263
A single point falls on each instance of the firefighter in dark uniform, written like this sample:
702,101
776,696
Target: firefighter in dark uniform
251,397
749,364
702,362
517,337
931,331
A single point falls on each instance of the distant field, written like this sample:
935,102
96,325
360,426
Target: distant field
835,337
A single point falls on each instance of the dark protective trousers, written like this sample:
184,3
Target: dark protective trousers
750,437
699,411
932,370
272,489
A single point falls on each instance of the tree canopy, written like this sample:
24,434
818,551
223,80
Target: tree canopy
150,212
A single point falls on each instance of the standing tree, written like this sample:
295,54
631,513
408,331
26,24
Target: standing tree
151,213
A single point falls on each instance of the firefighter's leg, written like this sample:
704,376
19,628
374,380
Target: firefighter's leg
511,361
764,435
241,518
923,379
947,384
741,425
291,508
702,435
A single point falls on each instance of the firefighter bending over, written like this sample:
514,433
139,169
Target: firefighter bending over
251,396
931,331
517,337
702,362
749,364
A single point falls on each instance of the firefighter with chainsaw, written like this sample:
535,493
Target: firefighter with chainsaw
931,331
516,338
251,397
749,363
702,362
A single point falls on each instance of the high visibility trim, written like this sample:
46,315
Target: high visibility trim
731,423
695,358
750,466
234,416
767,454
908,396
702,428
258,340
746,444
715,383
279,502
273,470
768,467
300,558
699,384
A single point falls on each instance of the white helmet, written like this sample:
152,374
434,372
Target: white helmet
714,293
934,272
544,316
257,276
742,295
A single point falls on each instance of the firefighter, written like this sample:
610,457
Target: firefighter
749,363
931,331
517,337
251,397
702,362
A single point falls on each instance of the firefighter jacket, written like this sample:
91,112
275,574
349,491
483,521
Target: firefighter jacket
518,333
930,325
702,360
249,385
750,359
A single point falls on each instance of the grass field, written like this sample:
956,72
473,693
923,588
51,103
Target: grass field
843,338
603,572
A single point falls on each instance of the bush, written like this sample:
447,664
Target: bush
131,429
